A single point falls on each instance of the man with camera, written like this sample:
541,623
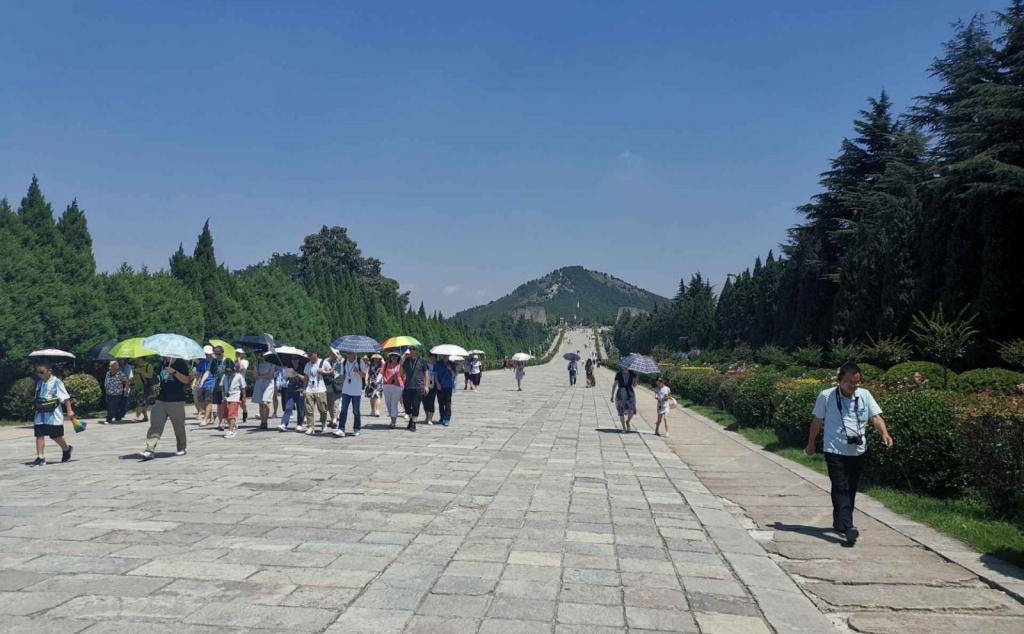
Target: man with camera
845,411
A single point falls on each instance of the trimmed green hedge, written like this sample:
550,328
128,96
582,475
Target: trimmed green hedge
904,374
18,401
993,447
792,416
85,392
997,381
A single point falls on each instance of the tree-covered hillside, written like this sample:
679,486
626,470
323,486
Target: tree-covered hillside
571,293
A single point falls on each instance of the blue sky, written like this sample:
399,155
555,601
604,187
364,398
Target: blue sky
471,146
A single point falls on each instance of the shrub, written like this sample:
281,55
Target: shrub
809,355
743,353
794,371
770,354
18,402
792,415
868,373
886,351
905,374
926,457
945,340
85,392
997,381
754,403
729,392
839,352
993,447
823,375
1012,352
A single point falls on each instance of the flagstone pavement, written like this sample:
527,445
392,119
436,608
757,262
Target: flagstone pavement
530,513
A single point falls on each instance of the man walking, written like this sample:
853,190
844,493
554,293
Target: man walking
316,371
169,403
334,388
417,378
845,411
351,372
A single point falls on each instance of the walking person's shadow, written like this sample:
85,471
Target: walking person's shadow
824,534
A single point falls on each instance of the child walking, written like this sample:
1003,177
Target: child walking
662,393
233,386
52,402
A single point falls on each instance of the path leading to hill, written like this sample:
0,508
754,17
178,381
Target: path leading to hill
528,514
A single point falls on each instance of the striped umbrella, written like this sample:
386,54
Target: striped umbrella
639,363
359,344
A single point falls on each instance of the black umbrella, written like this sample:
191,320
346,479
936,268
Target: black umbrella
262,342
101,351
571,356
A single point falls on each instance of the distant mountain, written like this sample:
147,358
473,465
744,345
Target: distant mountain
571,293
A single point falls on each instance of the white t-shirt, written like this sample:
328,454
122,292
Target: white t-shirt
243,367
233,385
51,388
845,417
352,377
474,367
314,380
662,394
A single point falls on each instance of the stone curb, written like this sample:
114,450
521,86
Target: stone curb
999,574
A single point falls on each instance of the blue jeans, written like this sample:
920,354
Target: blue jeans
357,422
293,401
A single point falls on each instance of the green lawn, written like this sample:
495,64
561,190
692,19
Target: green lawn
6,422
965,518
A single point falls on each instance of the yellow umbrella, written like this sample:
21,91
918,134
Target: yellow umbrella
130,349
401,342
229,350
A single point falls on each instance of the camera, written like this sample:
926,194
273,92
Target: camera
854,440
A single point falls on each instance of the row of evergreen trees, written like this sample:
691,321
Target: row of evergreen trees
916,211
52,296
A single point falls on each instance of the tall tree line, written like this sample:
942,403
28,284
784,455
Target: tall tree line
915,211
51,294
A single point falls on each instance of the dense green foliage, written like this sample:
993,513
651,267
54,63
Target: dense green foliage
994,381
51,295
85,392
914,212
572,293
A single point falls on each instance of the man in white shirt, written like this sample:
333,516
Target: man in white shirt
316,371
351,372
845,411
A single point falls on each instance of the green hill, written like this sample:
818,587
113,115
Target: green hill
570,293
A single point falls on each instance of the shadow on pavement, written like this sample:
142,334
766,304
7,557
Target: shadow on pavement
824,534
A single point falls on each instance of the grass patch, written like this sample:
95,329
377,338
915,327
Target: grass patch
965,518
7,422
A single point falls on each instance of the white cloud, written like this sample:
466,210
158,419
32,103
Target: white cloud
483,292
625,155
451,289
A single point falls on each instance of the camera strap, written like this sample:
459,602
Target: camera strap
842,417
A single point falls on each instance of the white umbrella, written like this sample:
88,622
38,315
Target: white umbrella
480,352
456,357
521,356
448,349
50,352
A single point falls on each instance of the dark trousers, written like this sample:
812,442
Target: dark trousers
844,472
357,420
444,403
115,408
428,402
411,402
572,378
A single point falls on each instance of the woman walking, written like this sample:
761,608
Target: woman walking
114,385
624,396
293,399
170,403
263,389
430,398
589,367
375,384
391,376
520,374
444,381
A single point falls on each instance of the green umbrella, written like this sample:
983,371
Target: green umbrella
130,349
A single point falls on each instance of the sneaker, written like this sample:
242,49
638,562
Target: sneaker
104,422
148,455
180,452
282,428
445,422
430,421
393,425
339,433
66,454
300,428
851,535
411,426
229,434
310,431
355,433
39,462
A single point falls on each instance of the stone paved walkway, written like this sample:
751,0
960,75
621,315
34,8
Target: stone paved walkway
528,514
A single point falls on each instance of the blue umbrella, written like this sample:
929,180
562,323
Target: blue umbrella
360,344
167,344
639,363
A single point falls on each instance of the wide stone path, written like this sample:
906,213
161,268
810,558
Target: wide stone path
528,514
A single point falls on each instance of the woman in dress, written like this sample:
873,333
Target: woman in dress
375,384
624,396
520,374
263,389
393,385
589,367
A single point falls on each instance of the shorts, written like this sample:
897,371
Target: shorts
475,378
218,397
205,395
229,411
48,431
